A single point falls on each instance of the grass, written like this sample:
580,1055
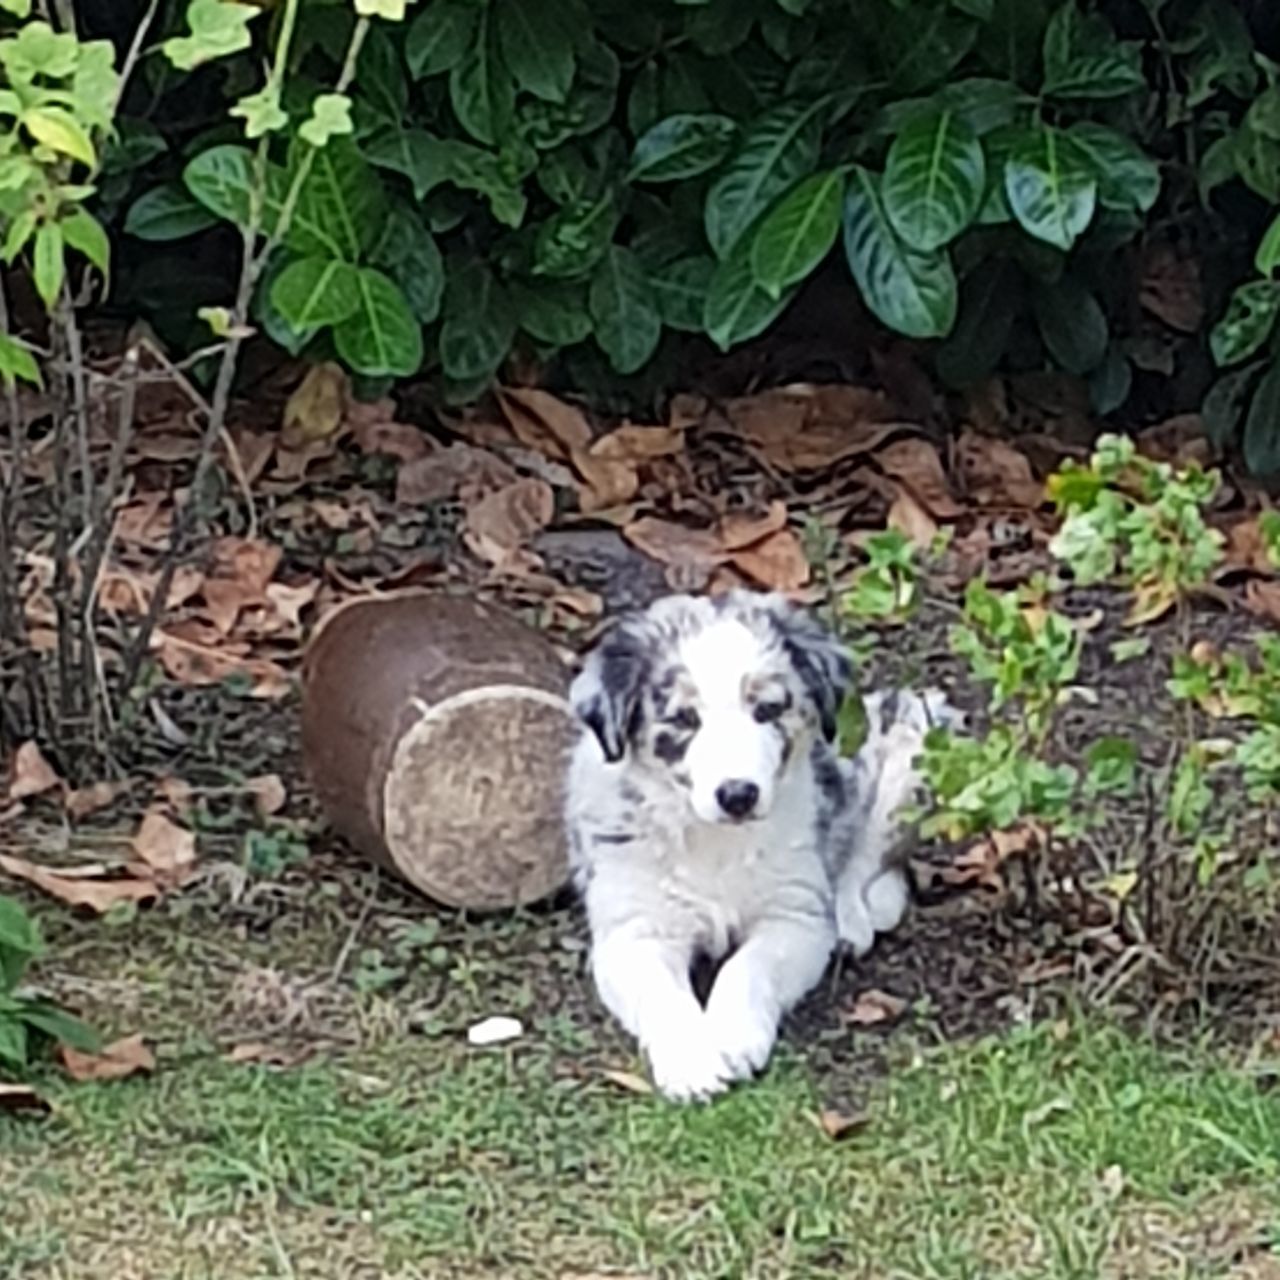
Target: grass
1060,1152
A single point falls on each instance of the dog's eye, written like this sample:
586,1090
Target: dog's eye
686,718
768,711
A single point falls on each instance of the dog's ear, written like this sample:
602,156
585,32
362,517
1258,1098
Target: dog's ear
820,660
606,695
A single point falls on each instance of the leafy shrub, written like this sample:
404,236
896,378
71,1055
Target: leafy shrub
504,173
26,1020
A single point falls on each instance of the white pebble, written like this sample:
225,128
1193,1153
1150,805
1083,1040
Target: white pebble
494,1030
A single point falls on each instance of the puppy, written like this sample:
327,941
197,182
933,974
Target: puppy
710,819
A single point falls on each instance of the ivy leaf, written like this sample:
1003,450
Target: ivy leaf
60,131
681,146
627,324
914,293
49,261
737,308
1072,324
934,180
1248,322
381,338
1049,186
680,289
17,362
1127,177
538,43
330,117
1083,58
440,37
20,9
95,85
481,89
218,28
798,233
261,112
84,233
312,292
479,322
779,148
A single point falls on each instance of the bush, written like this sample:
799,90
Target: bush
503,175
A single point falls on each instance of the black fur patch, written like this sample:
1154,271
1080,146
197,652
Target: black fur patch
670,749
613,837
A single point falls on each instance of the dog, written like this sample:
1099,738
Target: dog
711,821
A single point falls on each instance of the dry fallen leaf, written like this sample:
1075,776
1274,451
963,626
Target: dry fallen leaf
910,519
99,795
268,793
982,862
317,407
30,774
269,1055
441,474
738,531
997,474
499,524
628,1080
167,850
1263,598
241,570
1246,548
836,1124
777,562
122,1058
1170,289
675,544
915,463
191,663
544,422
21,1097
78,891
874,1007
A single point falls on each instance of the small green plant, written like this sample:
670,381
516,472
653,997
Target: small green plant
27,1020
1138,522
887,588
1029,656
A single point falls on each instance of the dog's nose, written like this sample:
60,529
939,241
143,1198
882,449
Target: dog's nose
737,798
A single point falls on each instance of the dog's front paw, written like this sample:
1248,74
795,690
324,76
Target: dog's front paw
742,1030
687,1068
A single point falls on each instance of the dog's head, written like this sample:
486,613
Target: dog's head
717,696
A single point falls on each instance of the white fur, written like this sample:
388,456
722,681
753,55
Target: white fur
665,875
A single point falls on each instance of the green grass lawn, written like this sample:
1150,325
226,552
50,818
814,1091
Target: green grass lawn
1061,1152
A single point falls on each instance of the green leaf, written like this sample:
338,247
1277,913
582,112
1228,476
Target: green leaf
479,322
1267,257
1262,426
13,1041
409,252
1111,382
1072,324
481,89
440,36
381,338
60,1027
681,288
554,312
340,207
920,47
1249,321
330,117
737,309
914,293
574,239
1083,58
17,362
167,212
1127,177
627,324
18,932
798,232
1011,43
312,292
779,148
538,43
1224,403
420,156
84,233
989,302
60,131
934,180
218,28
1049,186
19,8
389,10
681,146
221,179
49,263
261,112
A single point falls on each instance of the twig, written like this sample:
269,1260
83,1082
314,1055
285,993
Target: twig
133,54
